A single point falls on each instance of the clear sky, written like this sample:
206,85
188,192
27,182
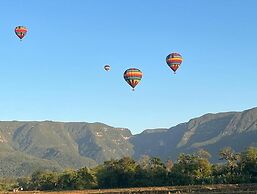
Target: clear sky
56,72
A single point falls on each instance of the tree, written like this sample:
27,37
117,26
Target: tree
24,182
203,154
231,158
117,173
248,164
157,172
231,171
84,179
142,177
44,180
190,169
143,162
67,180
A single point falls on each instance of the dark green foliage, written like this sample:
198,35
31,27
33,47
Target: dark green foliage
44,180
189,169
248,164
67,180
8,184
116,173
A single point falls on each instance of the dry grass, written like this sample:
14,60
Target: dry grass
218,189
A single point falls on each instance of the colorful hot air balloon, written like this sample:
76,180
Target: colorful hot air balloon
174,60
133,77
21,31
107,67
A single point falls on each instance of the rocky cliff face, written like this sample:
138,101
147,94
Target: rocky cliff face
211,132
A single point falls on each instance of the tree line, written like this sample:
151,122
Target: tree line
188,169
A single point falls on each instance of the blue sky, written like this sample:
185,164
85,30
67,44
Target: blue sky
56,72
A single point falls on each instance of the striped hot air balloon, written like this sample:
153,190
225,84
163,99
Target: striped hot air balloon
21,31
107,67
132,76
174,61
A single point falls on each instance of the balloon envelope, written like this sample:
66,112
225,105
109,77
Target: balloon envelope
174,61
107,67
133,76
21,31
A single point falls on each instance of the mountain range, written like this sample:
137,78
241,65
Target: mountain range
32,145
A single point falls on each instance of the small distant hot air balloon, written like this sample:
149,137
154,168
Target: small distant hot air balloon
174,61
107,67
132,76
21,31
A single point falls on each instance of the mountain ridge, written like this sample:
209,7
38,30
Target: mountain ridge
55,145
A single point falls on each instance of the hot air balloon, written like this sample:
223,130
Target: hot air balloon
132,76
107,67
21,31
174,61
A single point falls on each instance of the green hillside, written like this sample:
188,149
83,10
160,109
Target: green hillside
29,146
